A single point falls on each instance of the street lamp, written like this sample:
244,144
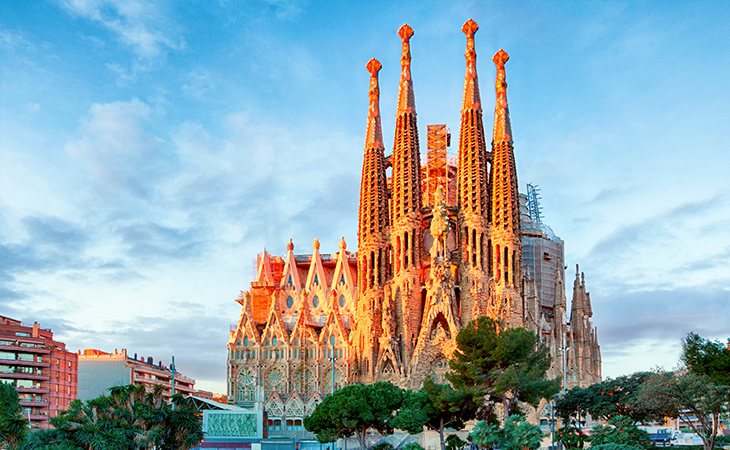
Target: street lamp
564,350
172,382
333,358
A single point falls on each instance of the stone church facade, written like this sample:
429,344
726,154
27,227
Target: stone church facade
439,244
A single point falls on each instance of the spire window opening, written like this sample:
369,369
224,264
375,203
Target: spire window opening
506,266
379,267
498,262
474,247
514,267
489,257
406,250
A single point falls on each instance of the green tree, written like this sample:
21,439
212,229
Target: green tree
705,357
355,409
412,446
454,442
620,430
693,398
437,407
614,447
516,434
571,436
130,417
507,365
612,397
50,439
13,426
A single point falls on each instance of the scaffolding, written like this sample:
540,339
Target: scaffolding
534,209
437,164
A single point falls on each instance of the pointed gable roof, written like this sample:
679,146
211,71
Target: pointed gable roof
290,270
246,325
316,271
274,324
263,271
334,323
342,269
302,325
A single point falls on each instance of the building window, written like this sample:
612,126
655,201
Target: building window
289,302
315,301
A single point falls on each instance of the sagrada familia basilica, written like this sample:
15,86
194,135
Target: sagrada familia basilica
439,244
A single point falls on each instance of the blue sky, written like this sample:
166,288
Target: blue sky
149,150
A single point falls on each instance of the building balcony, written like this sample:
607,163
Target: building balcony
32,390
26,349
24,376
37,403
20,362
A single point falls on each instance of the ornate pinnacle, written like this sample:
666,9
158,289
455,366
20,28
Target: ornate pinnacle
405,32
472,99
374,67
290,245
343,244
315,244
500,58
406,99
374,132
469,29
502,127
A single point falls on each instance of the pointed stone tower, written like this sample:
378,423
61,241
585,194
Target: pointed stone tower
472,191
406,220
372,235
505,303
585,354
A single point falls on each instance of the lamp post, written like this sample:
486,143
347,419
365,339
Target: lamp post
172,382
564,350
333,358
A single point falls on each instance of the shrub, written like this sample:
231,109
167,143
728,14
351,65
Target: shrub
613,446
412,446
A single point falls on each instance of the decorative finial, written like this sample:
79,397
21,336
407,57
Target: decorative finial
373,132
405,32
290,245
500,58
502,127
470,27
343,244
472,99
373,67
315,244
406,99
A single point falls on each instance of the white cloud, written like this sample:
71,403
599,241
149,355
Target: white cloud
118,149
137,24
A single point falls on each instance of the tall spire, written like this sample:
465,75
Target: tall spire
505,198
406,157
502,127
472,187
504,217
406,99
372,232
406,221
373,217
